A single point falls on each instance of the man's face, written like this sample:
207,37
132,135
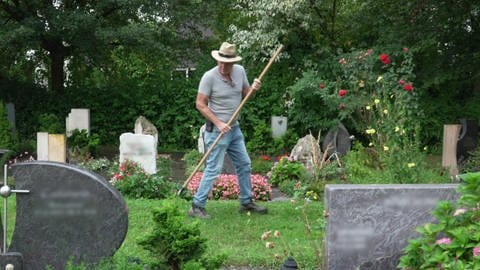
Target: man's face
224,68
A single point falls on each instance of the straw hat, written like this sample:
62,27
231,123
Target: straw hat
227,53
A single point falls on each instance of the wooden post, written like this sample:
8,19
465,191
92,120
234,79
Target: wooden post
449,155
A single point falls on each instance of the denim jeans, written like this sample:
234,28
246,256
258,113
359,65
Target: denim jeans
232,143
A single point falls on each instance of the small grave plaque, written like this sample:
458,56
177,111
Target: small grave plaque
369,225
279,126
68,213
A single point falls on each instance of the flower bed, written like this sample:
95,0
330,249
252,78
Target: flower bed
226,187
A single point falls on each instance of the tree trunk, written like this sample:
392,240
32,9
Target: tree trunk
57,74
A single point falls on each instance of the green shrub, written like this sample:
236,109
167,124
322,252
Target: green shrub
132,181
6,140
261,164
51,123
453,242
173,241
472,164
286,170
82,146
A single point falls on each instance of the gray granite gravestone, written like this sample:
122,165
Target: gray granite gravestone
69,213
369,225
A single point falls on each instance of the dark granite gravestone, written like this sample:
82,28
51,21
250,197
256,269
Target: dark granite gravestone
369,225
69,213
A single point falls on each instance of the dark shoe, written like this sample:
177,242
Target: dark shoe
198,212
253,207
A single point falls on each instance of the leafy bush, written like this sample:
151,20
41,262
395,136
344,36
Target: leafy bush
51,123
81,145
286,170
6,140
472,164
191,159
132,181
453,242
262,164
226,187
173,241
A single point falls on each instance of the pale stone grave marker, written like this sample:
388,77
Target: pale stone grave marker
63,213
279,126
51,147
139,148
78,119
368,226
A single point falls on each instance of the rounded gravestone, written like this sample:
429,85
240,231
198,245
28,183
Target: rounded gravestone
69,213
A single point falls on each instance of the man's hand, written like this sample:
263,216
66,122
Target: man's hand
223,127
256,84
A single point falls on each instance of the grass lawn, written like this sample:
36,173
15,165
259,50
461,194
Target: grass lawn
238,236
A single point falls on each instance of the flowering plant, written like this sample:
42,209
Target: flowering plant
226,187
454,242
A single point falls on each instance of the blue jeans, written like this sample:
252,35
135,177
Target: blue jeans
232,143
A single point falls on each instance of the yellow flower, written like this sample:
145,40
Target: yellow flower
385,111
370,144
370,131
361,84
397,129
376,101
425,148
379,78
411,164
385,148
368,108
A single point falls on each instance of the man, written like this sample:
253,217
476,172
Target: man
220,92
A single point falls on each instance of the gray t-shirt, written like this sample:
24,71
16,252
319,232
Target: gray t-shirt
224,98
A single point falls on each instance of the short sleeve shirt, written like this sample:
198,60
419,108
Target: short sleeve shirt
224,97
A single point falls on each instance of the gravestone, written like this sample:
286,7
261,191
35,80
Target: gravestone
143,126
78,119
51,147
68,213
11,115
467,140
279,126
368,226
139,148
339,139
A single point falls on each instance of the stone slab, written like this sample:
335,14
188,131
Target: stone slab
42,145
139,148
279,126
57,148
78,118
68,213
369,225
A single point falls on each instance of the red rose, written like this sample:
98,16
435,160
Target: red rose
341,106
408,87
321,86
401,81
384,58
342,92
265,157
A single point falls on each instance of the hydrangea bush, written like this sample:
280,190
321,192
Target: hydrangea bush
226,187
453,242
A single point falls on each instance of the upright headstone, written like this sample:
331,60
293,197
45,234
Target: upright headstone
57,147
143,126
368,226
42,145
78,119
11,115
69,213
449,148
279,126
467,140
139,148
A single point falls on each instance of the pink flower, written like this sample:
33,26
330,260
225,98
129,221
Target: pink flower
405,49
321,86
408,87
444,240
476,251
384,58
342,92
401,82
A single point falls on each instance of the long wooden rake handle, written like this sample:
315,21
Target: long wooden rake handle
234,115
